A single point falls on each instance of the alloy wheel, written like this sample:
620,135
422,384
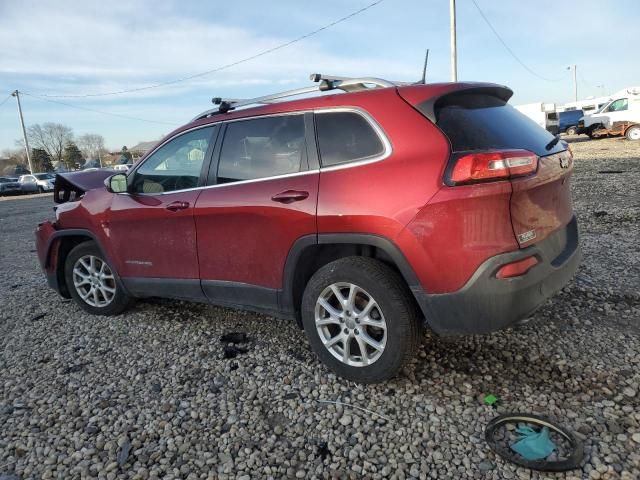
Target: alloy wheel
94,281
350,324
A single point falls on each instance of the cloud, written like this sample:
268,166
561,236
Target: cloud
97,50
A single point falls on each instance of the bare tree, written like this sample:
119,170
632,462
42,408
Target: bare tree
50,137
91,145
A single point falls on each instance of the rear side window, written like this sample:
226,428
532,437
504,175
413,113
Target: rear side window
474,121
346,137
262,147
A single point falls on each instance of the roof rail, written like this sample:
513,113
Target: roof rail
325,84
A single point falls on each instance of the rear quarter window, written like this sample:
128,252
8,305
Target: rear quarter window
346,137
475,121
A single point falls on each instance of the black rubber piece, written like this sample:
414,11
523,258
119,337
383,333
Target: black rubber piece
570,463
394,299
121,301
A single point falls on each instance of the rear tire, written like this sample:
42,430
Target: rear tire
370,309
571,131
633,133
93,284
40,189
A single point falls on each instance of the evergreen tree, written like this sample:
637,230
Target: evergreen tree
125,153
41,160
72,157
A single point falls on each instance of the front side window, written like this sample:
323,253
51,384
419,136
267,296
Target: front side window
262,147
346,137
174,166
618,106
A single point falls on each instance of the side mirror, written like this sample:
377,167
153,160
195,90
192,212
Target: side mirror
117,183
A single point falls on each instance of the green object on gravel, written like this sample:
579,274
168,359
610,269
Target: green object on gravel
490,400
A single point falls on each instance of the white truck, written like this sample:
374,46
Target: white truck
620,116
544,114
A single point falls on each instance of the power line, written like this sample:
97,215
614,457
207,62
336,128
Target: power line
98,111
513,54
5,100
228,65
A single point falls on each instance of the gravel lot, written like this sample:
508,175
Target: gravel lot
149,394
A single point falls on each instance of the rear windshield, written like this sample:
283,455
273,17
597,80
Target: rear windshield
475,121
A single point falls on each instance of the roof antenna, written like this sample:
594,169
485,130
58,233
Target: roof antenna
423,80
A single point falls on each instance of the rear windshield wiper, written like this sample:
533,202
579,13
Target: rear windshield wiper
553,142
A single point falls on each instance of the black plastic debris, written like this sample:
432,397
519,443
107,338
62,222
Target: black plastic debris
600,213
37,317
234,337
504,434
232,351
323,450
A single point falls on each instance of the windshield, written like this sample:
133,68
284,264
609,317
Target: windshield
43,176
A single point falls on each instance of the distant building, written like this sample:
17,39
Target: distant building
141,148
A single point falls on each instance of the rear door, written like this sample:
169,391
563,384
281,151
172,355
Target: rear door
261,199
151,227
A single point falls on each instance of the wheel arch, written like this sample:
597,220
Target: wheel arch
311,252
58,248
633,125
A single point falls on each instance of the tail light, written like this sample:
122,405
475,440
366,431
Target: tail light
491,166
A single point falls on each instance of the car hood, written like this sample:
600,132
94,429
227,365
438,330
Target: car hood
71,186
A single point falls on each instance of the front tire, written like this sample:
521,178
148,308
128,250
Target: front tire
571,131
360,319
93,283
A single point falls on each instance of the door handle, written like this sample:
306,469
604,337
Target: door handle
175,206
290,196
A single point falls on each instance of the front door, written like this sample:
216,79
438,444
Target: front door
152,227
617,111
262,199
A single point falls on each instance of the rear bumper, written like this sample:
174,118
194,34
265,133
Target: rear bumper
487,303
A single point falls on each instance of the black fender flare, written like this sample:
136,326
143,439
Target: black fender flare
300,245
73,232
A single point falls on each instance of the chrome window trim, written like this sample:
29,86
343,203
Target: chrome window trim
388,149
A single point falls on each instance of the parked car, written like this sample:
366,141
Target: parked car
122,167
37,182
9,186
621,116
359,215
568,121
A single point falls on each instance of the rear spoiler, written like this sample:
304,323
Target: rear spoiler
434,96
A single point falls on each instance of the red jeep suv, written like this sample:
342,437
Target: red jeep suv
361,214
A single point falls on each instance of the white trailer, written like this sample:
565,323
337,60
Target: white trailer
544,114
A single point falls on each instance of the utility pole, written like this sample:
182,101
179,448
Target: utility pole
575,82
24,131
452,27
